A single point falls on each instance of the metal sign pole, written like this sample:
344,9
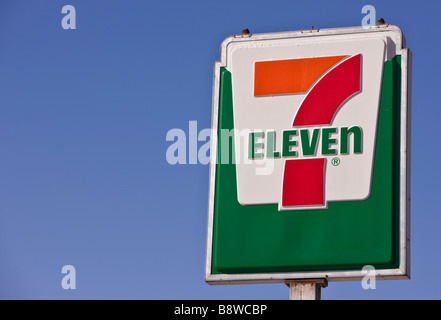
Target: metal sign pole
306,289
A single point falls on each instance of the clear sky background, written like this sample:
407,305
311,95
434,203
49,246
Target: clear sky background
84,115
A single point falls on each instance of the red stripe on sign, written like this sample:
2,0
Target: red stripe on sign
303,182
324,99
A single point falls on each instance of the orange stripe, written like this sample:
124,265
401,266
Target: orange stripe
289,76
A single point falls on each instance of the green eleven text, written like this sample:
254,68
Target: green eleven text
342,140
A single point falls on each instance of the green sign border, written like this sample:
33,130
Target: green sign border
346,236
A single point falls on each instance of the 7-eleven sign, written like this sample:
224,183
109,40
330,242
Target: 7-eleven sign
309,143
326,83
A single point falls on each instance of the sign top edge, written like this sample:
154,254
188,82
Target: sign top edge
308,33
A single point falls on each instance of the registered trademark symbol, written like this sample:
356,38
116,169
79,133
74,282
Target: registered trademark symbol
335,161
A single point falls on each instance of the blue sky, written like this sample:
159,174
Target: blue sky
84,115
